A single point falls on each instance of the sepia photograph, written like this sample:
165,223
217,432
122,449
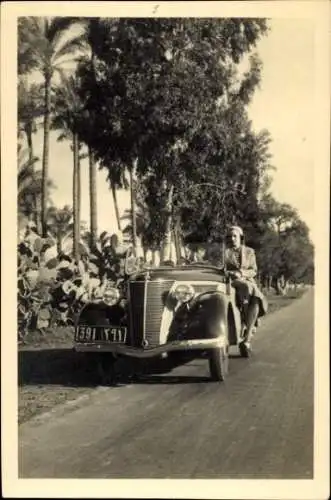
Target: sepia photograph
170,200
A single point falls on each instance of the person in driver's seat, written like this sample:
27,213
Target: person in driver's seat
240,262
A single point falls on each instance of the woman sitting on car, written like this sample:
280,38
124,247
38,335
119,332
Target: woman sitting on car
240,263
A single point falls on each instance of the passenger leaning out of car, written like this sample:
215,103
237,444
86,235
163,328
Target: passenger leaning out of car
240,263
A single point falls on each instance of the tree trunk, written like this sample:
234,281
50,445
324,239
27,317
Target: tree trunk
166,250
270,283
59,241
133,207
117,213
45,165
93,200
177,240
76,198
281,288
37,217
28,132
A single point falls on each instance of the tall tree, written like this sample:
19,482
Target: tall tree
47,43
96,29
93,199
286,252
92,26
161,86
67,115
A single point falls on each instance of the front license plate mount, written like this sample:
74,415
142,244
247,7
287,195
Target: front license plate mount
101,334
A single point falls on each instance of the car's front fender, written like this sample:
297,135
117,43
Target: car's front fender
204,317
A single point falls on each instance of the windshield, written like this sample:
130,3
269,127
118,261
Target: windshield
205,253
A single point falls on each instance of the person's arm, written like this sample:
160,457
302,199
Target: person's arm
251,270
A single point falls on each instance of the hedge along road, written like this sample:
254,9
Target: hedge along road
258,424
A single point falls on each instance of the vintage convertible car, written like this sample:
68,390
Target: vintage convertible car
165,311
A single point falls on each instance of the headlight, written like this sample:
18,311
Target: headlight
111,296
184,293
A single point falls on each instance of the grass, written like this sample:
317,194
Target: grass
51,373
277,301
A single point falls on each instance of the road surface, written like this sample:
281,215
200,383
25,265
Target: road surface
178,425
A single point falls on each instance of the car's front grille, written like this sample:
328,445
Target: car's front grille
157,292
136,316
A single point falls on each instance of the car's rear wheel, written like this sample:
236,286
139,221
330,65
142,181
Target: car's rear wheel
219,363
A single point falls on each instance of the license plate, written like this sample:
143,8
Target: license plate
104,334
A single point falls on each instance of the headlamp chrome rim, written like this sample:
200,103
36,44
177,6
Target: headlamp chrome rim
111,296
184,292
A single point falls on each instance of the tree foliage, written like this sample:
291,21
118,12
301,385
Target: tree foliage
169,94
285,249
165,100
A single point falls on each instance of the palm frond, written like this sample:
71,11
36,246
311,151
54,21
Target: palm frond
28,179
74,60
70,47
59,25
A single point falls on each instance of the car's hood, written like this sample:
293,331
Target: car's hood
180,273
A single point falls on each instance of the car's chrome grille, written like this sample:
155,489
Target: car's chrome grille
156,295
136,316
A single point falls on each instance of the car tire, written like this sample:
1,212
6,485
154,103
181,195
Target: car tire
219,363
105,369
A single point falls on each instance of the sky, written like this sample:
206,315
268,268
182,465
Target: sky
284,104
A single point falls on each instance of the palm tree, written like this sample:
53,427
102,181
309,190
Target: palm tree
60,224
29,186
92,33
95,29
29,109
48,44
67,115
93,199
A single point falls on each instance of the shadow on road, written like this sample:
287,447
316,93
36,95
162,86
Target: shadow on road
170,380
54,366
65,367
68,368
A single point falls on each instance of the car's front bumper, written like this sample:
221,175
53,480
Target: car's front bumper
149,352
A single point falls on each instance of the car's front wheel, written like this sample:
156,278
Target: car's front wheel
105,368
219,363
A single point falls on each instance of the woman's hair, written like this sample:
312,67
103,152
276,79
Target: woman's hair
239,230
